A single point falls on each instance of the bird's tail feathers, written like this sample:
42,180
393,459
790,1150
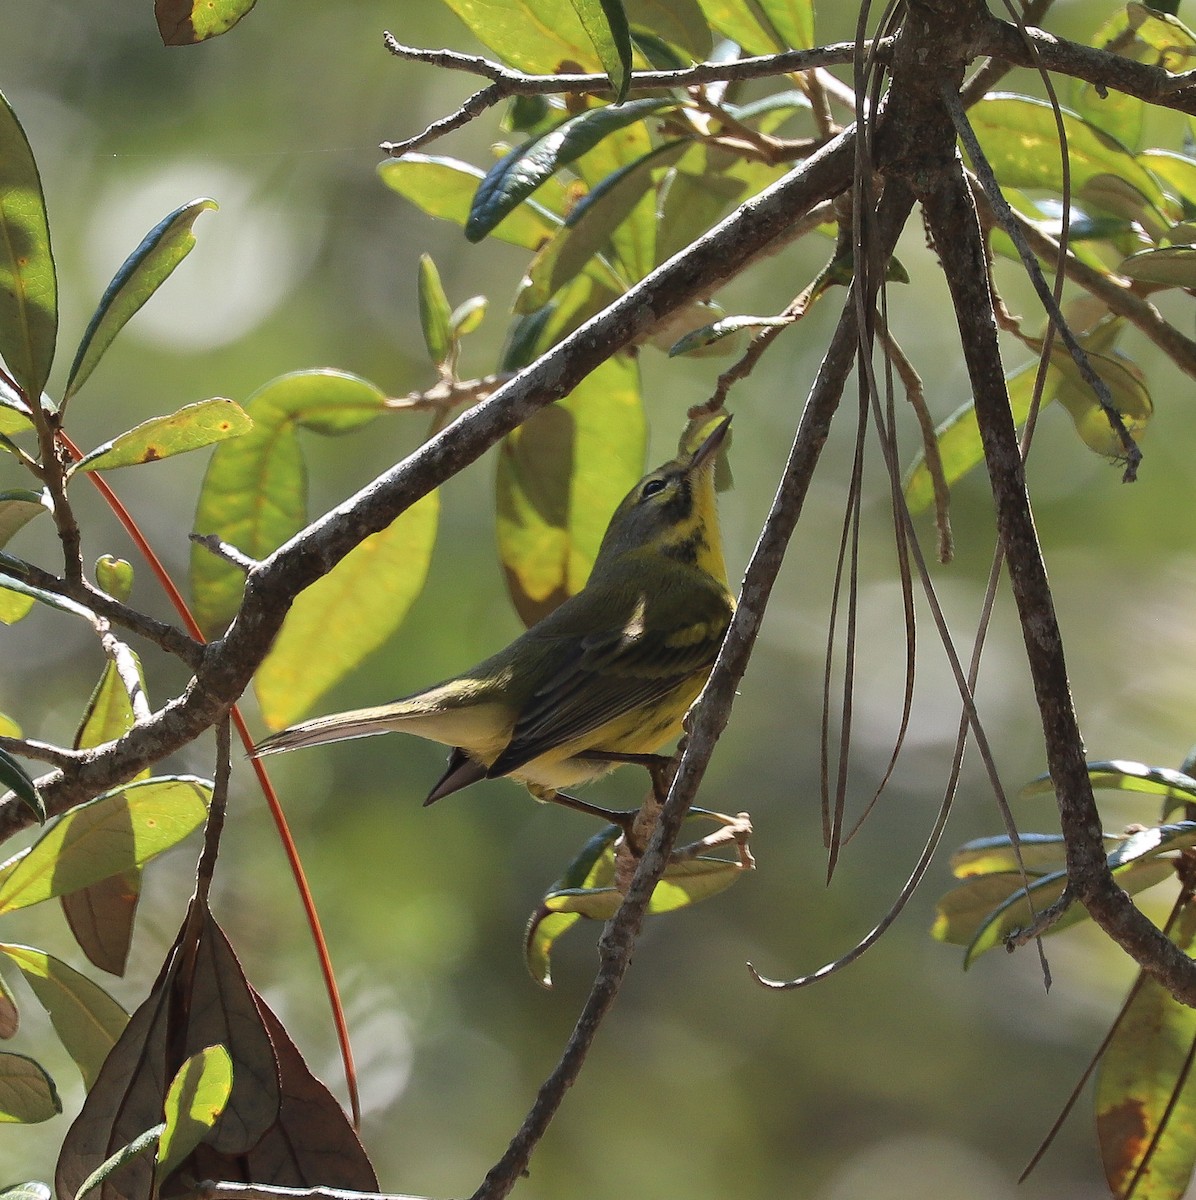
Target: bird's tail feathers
337,727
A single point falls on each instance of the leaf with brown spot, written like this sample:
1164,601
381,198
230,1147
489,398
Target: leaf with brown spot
185,22
1145,1090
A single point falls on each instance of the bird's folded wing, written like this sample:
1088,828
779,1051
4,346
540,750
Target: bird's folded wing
607,675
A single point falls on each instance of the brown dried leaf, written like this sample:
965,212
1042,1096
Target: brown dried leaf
101,918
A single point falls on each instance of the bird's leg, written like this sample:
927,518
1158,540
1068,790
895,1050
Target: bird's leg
658,766
624,820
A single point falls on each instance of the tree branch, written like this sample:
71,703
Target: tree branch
227,665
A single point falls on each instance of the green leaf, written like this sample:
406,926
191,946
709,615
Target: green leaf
139,1145
692,201
560,477
445,187
194,1101
680,23
1177,171
435,317
140,276
185,22
15,778
1118,114
533,35
1144,1099
17,508
467,316
593,867
254,494
792,22
62,603
87,1020
1020,140
347,614
28,286
708,335
518,174
27,1093
114,576
590,226
123,828
1172,266
605,24
26,1191
958,437
10,1015
1041,853
109,711
1123,775
193,427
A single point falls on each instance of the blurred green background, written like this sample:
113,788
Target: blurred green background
900,1077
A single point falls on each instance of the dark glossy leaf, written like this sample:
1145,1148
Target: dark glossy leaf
27,1093
560,476
194,427
87,1020
254,494
435,315
707,335
445,188
185,22
141,274
589,227
605,24
201,999
347,613
1145,1101
28,286
15,778
518,174
121,829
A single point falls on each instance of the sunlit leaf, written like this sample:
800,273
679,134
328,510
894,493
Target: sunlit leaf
445,188
694,197
141,274
346,614
1020,140
533,35
1145,1099
87,1020
123,828
254,494
194,1101
10,1014
1127,387
62,603
791,21
1123,775
434,312
114,576
27,1093
1177,171
519,173
193,427
28,286
185,22
467,316
560,476
1039,852
605,24
1118,114
680,23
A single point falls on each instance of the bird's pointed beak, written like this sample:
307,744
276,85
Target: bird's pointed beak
710,444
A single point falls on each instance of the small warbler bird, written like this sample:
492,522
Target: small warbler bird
606,677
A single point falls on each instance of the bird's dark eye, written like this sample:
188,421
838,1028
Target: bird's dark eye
651,488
